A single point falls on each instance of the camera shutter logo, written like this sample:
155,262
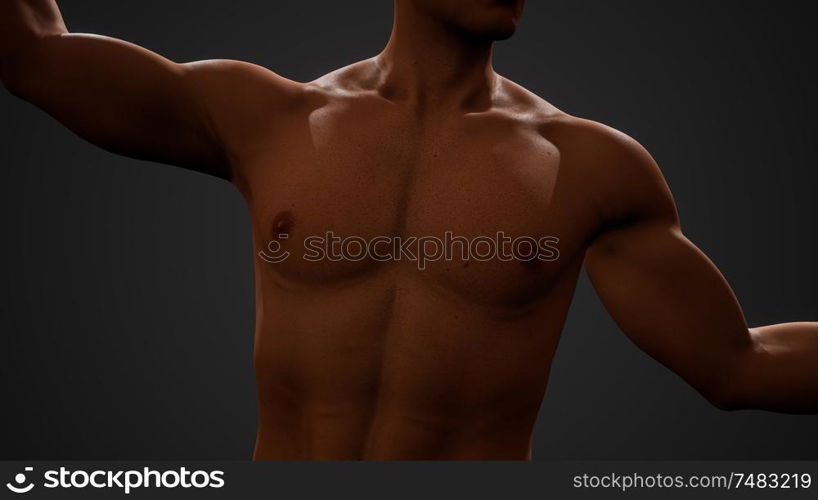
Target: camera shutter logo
20,479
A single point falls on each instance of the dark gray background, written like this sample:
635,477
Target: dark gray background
127,303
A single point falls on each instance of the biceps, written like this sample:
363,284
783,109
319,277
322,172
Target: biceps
120,97
670,299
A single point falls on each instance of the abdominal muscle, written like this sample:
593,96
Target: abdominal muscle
392,366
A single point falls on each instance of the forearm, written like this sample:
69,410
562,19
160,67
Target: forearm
780,372
22,24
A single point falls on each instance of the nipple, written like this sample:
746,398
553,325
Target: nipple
527,253
282,225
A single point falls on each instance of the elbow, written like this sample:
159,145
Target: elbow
11,83
18,67
11,74
723,393
724,401
719,386
732,384
16,82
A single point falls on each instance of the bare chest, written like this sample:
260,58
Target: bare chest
472,203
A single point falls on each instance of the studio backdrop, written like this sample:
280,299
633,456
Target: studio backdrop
126,326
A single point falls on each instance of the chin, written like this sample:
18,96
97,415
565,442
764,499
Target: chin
505,32
498,25
507,15
497,32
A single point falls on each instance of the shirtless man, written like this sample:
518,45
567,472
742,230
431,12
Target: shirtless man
380,359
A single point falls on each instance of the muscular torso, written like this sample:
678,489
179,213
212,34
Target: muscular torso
372,358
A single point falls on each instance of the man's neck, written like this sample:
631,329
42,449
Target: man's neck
432,66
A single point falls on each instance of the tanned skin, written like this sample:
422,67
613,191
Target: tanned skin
381,360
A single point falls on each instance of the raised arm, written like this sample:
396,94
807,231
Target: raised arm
127,99
670,299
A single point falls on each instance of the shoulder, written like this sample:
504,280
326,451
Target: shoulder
243,102
242,82
612,169
601,147
620,177
573,135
